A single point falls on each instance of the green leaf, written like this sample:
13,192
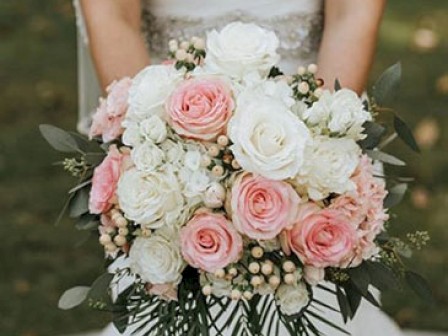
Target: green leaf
419,286
387,85
381,276
395,195
337,85
354,299
343,304
360,277
73,297
79,204
59,139
87,222
94,159
100,290
384,157
405,134
374,134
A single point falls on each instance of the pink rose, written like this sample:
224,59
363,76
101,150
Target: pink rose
262,208
200,108
104,181
111,112
364,208
209,242
322,238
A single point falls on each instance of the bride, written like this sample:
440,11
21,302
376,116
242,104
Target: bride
338,35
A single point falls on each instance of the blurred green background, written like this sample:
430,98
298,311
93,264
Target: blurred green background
38,85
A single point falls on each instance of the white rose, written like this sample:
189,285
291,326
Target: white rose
313,275
149,91
292,299
194,183
147,156
150,199
154,129
330,163
174,152
341,112
214,196
268,139
131,135
240,48
318,115
156,260
193,160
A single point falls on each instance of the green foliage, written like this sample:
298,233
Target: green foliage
405,133
73,297
387,85
59,139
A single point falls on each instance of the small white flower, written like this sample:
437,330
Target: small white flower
131,135
147,157
154,129
149,91
156,260
292,299
193,160
268,139
240,48
341,112
174,153
329,165
151,199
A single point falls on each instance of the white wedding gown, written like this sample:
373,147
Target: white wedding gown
298,24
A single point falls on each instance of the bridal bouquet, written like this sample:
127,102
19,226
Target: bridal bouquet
230,193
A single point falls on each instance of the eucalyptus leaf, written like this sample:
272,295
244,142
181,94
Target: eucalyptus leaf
59,139
374,134
385,158
94,159
79,204
73,297
80,186
419,286
82,141
381,276
354,299
343,304
395,195
100,290
360,277
87,222
405,134
387,85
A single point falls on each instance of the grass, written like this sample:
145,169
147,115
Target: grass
38,85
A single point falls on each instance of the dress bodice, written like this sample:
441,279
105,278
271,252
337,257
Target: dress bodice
297,23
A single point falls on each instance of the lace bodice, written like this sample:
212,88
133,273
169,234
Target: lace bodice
298,24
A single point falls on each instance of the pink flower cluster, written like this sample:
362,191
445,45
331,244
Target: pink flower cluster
342,235
364,208
105,180
111,112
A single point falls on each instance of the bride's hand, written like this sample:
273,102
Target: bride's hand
115,39
349,41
